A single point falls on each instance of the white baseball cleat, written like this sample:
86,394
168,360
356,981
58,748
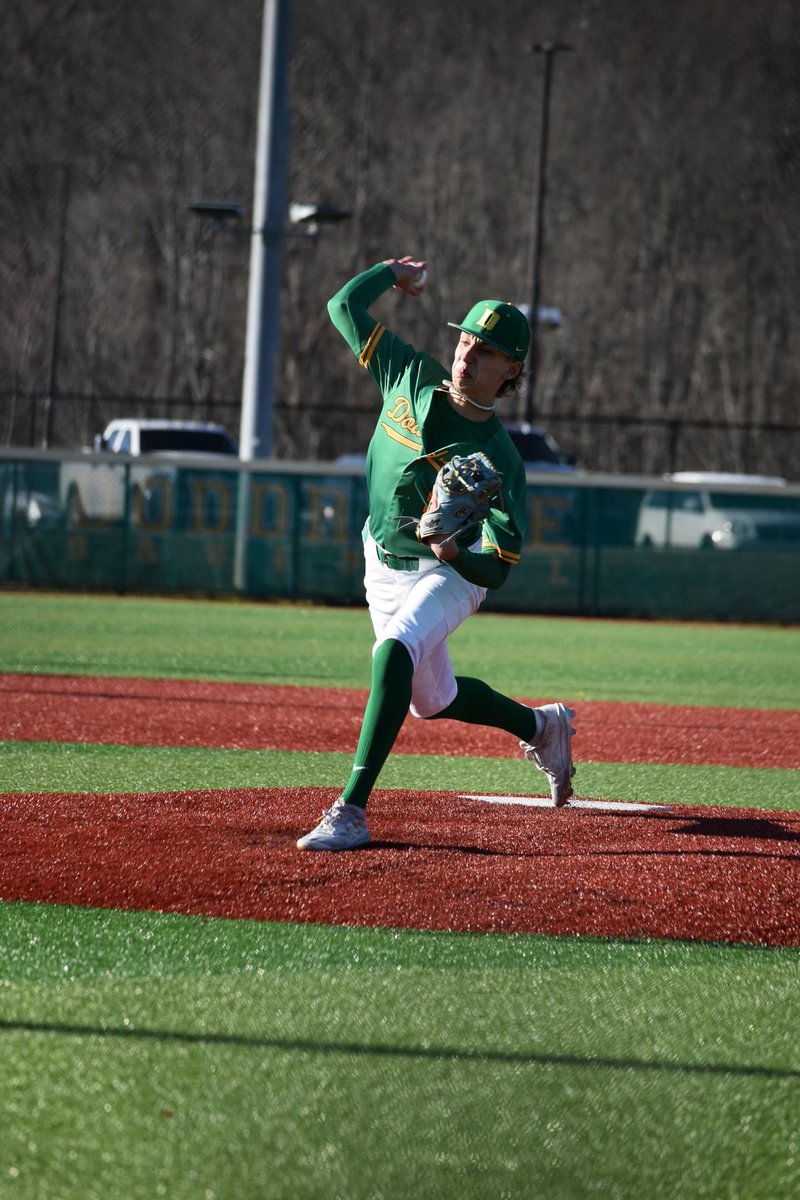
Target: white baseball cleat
551,752
343,827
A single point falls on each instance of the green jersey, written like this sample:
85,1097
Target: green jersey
418,430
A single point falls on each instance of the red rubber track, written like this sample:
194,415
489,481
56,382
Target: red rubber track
438,862
154,712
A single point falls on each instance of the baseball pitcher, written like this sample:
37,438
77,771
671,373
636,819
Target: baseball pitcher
447,498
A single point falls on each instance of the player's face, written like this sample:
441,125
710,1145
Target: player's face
480,370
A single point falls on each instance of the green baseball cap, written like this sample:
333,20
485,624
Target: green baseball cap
500,324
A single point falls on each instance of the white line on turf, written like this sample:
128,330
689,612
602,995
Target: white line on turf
596,805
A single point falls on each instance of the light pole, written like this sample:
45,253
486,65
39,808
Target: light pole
267,234
266,245
266,262
549,50
58,294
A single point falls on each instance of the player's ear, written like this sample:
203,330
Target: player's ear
514,369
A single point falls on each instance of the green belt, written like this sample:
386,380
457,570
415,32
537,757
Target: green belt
394,562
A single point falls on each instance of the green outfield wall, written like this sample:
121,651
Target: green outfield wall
596,545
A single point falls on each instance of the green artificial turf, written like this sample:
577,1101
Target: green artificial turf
79,767
149,1055
741,666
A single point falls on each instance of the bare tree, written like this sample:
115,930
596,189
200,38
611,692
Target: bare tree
670,248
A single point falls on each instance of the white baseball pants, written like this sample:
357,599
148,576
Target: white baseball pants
420,609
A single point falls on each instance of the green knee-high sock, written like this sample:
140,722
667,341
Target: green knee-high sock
478,704
389,698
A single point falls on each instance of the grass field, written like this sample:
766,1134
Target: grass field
744,666
149,1054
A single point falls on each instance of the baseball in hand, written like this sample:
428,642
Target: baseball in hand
421,278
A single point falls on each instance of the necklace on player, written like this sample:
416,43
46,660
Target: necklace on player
459,395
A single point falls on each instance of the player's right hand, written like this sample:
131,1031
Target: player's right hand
407,272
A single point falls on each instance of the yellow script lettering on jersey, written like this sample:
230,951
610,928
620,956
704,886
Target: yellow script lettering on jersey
399,413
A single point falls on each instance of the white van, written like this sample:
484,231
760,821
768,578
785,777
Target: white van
719,511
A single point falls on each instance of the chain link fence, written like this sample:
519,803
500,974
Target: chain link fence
632,546
603,442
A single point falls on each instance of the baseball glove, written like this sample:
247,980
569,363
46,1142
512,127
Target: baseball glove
462,494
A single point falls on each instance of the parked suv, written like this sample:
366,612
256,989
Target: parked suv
718,511
538,449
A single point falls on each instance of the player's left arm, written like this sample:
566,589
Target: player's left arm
484,568
503,533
